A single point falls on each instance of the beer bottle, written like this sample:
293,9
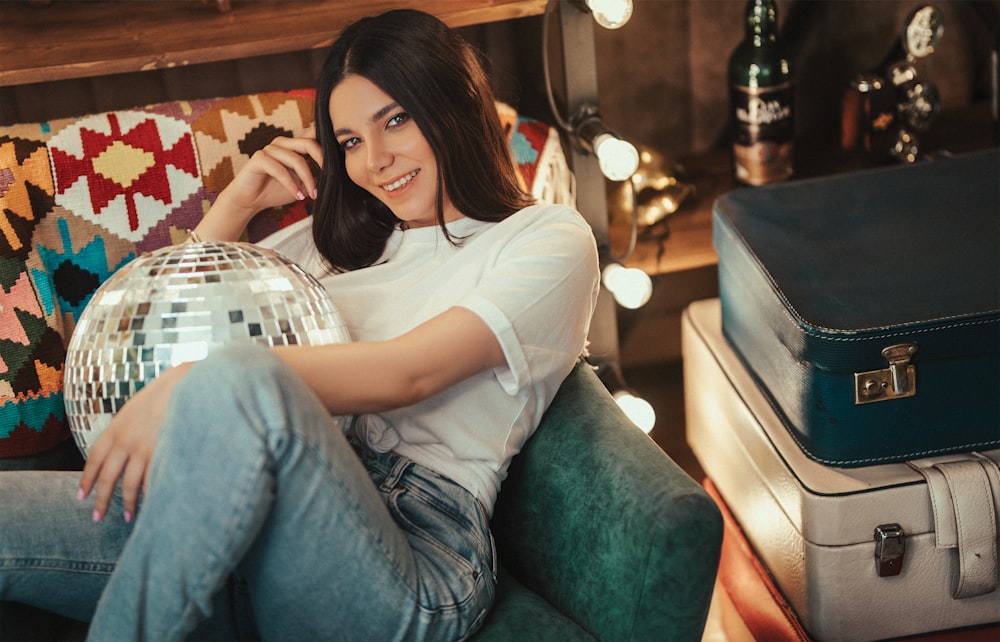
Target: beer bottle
761,98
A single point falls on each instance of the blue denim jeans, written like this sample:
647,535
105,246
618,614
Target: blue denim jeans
261,520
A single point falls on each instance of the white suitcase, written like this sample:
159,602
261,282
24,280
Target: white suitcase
860,553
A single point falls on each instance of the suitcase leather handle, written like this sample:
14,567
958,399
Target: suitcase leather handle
965,496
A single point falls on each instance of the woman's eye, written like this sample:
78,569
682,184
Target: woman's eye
398,119
348,143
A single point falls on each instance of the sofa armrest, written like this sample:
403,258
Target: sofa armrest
596,518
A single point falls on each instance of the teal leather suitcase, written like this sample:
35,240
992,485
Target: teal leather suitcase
867,306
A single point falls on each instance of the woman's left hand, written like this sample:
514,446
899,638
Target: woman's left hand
125,449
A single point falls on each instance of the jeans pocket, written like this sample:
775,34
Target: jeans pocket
452,552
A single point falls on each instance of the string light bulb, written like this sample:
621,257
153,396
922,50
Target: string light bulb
638,410
631,287
611,14
618,158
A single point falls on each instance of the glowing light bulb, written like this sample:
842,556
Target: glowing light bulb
611,14
637,409
618,158
631,287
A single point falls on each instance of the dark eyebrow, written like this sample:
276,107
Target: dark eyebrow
377,116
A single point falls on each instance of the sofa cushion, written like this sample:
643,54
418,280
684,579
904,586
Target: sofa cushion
81,197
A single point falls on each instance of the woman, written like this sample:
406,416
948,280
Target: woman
258,515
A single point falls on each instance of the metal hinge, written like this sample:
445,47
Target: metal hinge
895,382
890,545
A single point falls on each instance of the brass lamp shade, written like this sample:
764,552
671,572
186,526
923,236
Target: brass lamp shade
658,193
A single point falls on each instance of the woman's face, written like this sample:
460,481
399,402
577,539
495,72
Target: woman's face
386,153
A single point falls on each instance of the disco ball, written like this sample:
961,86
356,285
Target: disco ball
178,304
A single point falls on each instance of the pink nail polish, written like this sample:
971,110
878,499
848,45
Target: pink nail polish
315,193
96,516
80,495
128,517
299,195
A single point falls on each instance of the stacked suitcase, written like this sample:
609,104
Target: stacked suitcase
843,394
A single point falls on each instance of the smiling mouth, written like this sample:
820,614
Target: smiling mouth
395,185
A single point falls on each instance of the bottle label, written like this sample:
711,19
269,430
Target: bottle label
765,134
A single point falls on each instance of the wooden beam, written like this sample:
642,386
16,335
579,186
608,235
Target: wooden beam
60,40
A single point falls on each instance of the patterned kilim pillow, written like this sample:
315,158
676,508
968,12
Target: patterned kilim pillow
81,197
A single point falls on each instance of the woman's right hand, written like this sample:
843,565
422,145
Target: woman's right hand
277,174
124,451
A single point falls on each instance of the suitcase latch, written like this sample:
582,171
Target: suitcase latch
890,544
895,382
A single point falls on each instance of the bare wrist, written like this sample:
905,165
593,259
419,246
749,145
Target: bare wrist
224,221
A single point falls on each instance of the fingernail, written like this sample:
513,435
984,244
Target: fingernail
128,517
96,516
299,195
315,193
80,495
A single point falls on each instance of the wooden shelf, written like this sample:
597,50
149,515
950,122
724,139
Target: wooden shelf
61,40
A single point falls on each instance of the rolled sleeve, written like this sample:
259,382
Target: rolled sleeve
516,372
538,299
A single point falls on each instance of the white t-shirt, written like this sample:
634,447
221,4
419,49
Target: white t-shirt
533,278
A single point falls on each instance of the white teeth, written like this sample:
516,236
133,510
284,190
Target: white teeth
391,187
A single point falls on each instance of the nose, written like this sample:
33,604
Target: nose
379,156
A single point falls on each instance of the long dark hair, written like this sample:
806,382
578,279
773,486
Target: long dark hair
435,75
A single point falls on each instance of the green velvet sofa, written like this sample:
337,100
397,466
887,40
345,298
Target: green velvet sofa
600,534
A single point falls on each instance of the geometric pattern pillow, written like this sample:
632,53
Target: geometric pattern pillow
81,197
